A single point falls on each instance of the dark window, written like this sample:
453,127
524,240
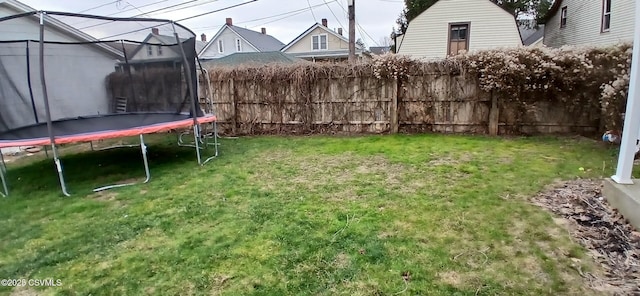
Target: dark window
458,38
563,17
606,15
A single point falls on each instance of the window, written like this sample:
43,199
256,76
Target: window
220,46
319,42
563,17
458,38
159,50
149,50
238,45
606,15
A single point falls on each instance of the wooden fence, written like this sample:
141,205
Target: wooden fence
431,102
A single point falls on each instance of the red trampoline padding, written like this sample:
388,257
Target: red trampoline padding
101,135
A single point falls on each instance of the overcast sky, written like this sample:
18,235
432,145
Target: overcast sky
284,19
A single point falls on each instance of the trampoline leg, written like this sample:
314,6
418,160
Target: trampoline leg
215,143
91,144
143,148
196,135
56,160
3,170
46,151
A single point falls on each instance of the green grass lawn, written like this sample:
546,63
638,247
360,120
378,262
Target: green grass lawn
374,215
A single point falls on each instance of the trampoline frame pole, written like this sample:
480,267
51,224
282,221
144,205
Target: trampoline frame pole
143,148
187,69
3,170
45,96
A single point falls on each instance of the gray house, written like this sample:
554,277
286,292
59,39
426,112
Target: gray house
233,39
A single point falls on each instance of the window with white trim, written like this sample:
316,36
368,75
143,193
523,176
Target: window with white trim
159,50
238,45
563,17
319,42
606,15
150,50
220,46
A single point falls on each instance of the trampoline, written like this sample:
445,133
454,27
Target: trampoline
68,78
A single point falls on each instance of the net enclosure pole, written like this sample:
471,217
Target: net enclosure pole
187,70
47,108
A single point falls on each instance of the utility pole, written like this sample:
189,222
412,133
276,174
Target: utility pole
352,31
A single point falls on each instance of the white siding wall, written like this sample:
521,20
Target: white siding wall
75,74
228,38
584,24
428,34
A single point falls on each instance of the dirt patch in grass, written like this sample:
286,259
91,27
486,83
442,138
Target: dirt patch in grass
104,195
450,160
23,291
342,261
337,177
345,176
611,241
450,278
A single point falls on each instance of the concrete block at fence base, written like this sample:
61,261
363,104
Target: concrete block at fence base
624,198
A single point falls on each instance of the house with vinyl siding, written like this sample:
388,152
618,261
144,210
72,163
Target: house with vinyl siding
589,22
451,26
320,44
232,39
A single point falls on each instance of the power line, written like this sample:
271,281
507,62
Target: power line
314,15
137,15
273,21
334,15
361,28
99,6
183,19
181,8
217,10
287,14
119,12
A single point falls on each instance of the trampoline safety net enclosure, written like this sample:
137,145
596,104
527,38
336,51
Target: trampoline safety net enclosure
69,77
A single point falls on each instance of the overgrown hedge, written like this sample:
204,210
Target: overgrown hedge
580,77
597,77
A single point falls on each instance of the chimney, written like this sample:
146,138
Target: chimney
203,37
264,31
229,21
155,31
324,22
340,31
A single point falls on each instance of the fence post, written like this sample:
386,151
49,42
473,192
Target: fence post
395,93
234,107
494,115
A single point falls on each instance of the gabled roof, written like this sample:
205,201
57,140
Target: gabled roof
552,11
165,40
313,27
260,42
59,25
239,58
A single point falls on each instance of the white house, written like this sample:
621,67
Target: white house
589,22
86,64
159,50
450,26
319,43
232,39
